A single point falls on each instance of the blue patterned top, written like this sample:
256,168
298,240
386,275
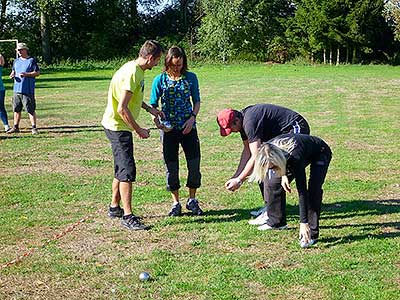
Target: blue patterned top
175,97
1,80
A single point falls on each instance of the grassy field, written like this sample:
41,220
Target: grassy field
50,181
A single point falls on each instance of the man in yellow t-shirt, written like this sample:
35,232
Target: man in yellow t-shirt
125,98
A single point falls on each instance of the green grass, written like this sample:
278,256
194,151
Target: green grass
50,181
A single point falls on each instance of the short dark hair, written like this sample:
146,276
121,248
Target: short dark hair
237,114
175,52
151,47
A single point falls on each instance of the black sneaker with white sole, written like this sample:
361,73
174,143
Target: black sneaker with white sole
115,212
176,210
193,205
133,223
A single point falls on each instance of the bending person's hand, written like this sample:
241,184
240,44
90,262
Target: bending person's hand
305,233
286,184
233,184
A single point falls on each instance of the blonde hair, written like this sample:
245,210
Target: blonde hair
272,153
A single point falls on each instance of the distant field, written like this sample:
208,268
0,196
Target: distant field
50,181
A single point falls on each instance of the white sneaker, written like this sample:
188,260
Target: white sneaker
260,220
7,128
267,227
256,213
303,244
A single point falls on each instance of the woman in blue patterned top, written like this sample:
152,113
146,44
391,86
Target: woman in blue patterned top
178,90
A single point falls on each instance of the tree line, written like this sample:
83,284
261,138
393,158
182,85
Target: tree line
324,31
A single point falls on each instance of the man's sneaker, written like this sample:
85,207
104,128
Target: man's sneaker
35,131
193,205
256,213
13,130
6,128
176,210
267,227
115,212
260,220
304,244
133,223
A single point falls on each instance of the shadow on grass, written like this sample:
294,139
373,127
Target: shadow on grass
359,208
71,128
219,216
351,238
26,134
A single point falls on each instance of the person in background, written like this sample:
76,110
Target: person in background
288,156
3,112
125,99
24,71
258,124
178,91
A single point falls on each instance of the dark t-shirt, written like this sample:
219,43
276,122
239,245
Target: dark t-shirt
306,150
265,121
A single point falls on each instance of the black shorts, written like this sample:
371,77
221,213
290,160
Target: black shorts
122,149
24,100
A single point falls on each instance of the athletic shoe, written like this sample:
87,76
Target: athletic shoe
256,213
268,227
193,205
35,131
176,210
133,223
6,128
306,245
13,130
117,212
260,220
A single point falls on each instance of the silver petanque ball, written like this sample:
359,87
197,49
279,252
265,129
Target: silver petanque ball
144,276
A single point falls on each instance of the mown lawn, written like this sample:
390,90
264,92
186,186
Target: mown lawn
50,181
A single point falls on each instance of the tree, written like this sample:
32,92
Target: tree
245,28
392,15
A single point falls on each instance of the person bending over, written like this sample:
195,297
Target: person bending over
288,156
258,124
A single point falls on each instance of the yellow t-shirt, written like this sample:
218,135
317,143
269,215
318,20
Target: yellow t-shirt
130,77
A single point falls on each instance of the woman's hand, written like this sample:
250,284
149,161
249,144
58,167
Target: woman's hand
286,184
187,127
305,234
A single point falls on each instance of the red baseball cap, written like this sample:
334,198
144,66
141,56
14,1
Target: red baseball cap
224,120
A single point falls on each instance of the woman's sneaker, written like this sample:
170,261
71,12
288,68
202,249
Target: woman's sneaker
260,220
176,210
256,213
268,227
193,205
133,223
304,244
115,212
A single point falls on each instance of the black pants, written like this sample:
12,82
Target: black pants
318,170
191,147
276,204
